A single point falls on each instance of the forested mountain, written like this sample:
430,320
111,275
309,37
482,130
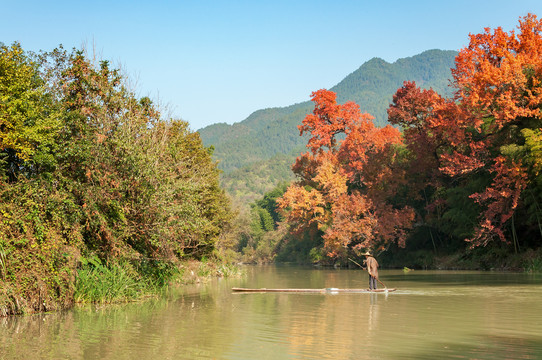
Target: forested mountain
374,83
244,148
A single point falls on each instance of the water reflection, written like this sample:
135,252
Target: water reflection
431,315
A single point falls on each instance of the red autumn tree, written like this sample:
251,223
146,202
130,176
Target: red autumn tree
498,80
329,119
430,132
490,127
413,109
344,186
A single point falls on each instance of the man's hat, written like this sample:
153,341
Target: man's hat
367,253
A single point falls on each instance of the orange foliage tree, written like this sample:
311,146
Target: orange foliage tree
415,109
498,80
344,186
481,147
488,130
429,129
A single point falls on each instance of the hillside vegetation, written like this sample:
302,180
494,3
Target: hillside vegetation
451,182
244,148
94,185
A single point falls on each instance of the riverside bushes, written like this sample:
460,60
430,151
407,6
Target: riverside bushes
90,171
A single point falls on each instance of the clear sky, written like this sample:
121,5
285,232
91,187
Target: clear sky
218,61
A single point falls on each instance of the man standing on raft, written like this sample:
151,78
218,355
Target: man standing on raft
372,269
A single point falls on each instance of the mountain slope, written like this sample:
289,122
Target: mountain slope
372,85
244,147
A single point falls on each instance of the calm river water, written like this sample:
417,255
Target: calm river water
432,315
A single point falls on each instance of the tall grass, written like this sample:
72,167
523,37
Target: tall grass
208,268
109,283
122,282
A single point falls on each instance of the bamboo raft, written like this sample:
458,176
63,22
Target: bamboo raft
322,291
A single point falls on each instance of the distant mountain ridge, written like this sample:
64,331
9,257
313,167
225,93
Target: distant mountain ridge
269,134
373,84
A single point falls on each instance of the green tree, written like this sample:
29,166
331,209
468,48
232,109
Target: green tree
29,118
106,178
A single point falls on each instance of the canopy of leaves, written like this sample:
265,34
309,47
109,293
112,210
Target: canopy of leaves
484,142
345,187
468,166
88,169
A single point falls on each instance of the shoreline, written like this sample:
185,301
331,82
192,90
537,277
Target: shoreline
187,272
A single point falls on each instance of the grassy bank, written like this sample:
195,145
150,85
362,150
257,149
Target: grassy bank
98,282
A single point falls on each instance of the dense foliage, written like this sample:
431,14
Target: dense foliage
478,151
468,167
344,188
248,183
89,171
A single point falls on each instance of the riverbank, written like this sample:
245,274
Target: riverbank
491,258
497,258
96,282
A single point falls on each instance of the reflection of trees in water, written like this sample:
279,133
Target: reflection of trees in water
155,328
208,321
31,337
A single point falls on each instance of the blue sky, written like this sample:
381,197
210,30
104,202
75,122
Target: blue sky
218,61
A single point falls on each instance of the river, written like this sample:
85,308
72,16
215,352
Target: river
432,315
